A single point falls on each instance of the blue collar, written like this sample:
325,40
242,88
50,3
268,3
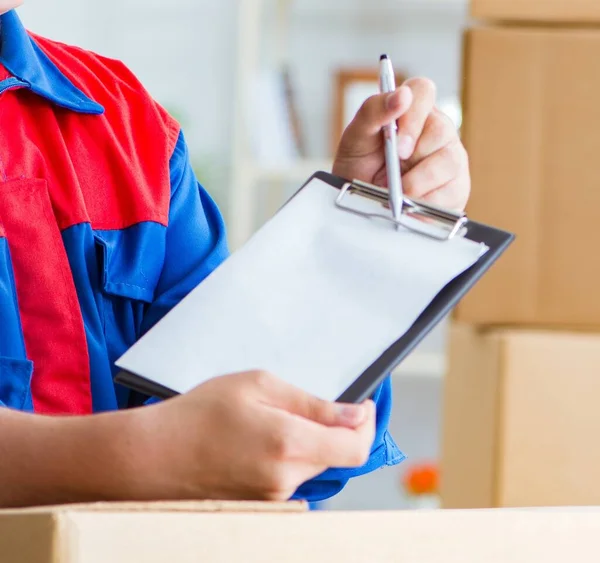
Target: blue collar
26,61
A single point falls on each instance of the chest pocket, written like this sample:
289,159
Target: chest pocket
131,261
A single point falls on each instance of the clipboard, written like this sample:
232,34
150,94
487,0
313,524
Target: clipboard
425,219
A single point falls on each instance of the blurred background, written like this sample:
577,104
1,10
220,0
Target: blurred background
501,400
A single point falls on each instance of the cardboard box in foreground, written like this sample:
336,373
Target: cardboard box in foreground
532,129
521,419
229,533
563,11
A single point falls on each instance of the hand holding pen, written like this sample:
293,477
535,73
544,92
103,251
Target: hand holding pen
434,163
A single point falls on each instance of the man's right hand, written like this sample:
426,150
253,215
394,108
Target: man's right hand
249,437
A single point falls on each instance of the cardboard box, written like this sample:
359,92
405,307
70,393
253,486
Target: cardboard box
564,11
532,129
521,419
229,533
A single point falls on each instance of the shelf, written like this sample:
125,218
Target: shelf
424,364
294,172
377,9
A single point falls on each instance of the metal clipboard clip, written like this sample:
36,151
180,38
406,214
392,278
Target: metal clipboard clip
424,218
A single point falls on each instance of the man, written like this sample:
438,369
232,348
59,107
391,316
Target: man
103,229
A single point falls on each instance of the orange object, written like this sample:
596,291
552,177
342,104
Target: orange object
422,480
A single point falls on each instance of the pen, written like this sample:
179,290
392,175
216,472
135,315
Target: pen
392,160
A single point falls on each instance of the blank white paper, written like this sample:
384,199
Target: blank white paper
315,297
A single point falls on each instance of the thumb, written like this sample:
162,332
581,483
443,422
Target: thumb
334,414
279,394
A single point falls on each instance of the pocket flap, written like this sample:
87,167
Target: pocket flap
132,260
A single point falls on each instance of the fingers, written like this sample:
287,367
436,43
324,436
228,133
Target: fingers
438,132
303,441
437,173
453,195
412,122
301,449
341,447
438,169
277,393
363,135
382,109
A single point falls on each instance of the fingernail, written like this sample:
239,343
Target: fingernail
351,415
406,146
393,101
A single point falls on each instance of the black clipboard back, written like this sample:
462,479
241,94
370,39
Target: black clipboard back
428,220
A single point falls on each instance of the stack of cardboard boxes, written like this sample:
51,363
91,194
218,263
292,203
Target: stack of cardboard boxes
522,406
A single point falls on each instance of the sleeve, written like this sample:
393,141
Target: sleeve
196,242
196,245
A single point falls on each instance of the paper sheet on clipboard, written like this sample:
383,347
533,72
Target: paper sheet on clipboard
314,297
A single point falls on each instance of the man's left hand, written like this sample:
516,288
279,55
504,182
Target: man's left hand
434,162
